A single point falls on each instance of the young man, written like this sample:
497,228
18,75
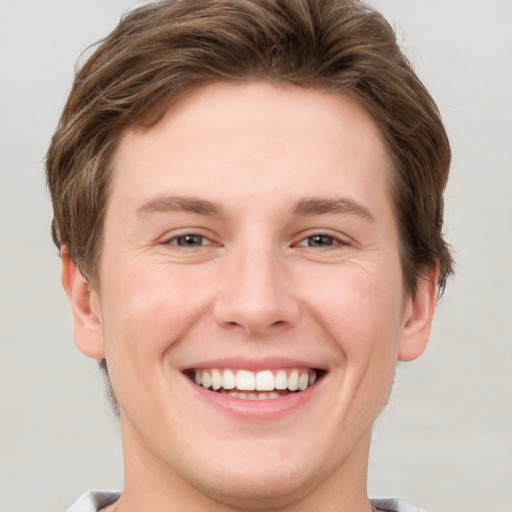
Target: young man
248,204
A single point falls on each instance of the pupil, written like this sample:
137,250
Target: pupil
190,240
320,240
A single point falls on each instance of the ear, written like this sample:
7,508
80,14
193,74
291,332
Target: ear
85,307
419,312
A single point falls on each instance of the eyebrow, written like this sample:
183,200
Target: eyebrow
321,206
308,206
188,204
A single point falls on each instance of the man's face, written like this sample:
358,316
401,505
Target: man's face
249,240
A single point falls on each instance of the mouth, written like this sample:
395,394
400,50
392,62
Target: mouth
259,385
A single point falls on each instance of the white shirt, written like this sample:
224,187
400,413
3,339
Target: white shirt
93,501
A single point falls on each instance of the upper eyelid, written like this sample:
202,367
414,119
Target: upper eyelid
339,237
168,237
187,234
337,242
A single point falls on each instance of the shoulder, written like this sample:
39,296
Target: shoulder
394,505
93,501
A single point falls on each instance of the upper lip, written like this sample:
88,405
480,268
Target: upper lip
268,363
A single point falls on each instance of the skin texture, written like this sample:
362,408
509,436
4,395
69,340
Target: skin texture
255,289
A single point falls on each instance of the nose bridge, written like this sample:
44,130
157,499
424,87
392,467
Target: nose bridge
255,294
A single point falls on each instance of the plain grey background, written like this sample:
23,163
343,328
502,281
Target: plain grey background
445,439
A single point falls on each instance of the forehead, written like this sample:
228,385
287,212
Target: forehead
247,136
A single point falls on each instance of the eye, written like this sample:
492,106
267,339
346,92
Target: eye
321,240
189,240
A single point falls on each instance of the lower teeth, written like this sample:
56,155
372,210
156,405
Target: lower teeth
253,396
260,395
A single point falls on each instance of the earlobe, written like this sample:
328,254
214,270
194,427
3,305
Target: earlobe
85,307
418,318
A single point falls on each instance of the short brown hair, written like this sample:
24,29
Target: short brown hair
161,51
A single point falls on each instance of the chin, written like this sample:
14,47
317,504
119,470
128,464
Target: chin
266,477
257,489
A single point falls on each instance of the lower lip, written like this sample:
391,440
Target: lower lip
254,410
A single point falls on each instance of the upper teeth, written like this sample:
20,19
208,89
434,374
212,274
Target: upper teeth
265,380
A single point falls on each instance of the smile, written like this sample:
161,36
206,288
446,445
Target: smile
249,385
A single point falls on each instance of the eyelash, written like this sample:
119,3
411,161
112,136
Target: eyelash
334,240
331,240
175,240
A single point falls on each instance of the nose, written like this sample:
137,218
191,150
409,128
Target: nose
256,293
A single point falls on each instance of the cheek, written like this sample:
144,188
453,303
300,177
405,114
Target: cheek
363,320
148,309
141,323
361,310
